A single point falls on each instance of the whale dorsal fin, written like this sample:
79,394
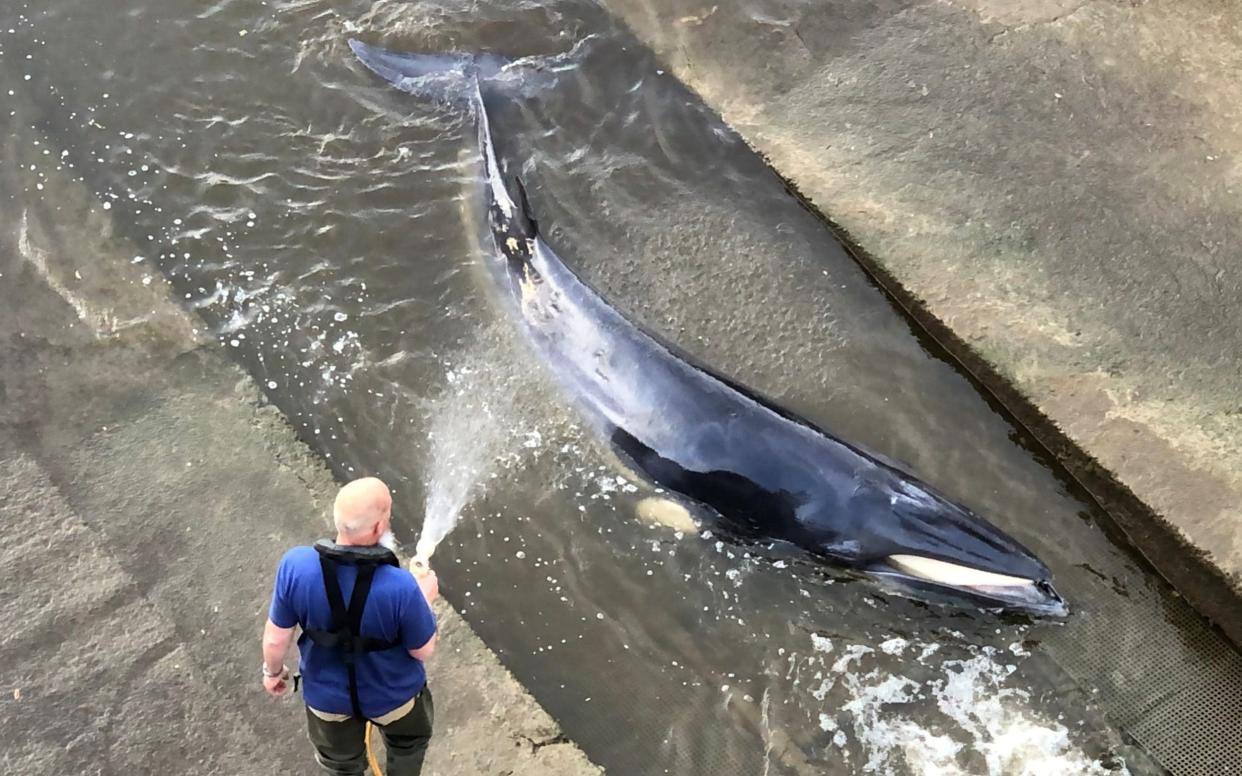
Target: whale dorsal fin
525,212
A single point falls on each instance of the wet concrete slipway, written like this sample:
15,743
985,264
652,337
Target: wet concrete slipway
324,228
147,489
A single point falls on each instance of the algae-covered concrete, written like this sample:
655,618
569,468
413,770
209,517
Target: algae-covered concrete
1053,189
146,493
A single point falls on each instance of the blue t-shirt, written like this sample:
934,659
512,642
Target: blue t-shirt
395,611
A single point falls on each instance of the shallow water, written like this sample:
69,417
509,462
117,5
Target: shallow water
326,227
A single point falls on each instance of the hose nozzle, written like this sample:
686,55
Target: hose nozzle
420,565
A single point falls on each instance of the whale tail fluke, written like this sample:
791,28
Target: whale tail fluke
440,77
451,77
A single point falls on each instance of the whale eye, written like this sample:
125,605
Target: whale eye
946,573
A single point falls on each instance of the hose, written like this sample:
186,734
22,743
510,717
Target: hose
371,759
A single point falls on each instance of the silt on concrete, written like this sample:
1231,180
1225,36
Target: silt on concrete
147,492
1053,189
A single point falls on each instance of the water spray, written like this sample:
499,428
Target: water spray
465,436
440,515
469,426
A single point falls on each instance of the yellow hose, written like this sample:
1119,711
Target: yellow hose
371,760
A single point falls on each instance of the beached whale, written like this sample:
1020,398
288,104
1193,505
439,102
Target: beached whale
763,472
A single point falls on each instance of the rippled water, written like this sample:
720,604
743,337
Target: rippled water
326,227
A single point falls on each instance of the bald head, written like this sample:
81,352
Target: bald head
362,511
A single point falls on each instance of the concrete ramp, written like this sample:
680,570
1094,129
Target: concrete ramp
96,678
147,492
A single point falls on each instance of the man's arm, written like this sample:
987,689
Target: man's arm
277,638
421,620
427,650
276,641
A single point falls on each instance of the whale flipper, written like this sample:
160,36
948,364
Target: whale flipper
668,513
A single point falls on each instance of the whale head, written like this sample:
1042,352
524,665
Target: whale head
913,540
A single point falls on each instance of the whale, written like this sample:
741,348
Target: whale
759,472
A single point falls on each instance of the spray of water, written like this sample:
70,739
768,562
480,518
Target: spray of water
463,437
472,425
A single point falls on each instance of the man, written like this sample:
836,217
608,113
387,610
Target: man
362,649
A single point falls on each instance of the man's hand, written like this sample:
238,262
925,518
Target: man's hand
428,582
276,686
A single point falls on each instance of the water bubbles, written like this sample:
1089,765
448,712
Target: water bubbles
341,343
271,384
340,317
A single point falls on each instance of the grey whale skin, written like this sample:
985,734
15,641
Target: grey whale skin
768,474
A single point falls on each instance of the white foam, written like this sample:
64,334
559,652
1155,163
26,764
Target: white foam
1012,738
821,643
894,646
972,706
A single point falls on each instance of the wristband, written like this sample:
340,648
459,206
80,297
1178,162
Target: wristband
271,675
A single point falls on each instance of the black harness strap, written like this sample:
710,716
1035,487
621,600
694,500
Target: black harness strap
345,635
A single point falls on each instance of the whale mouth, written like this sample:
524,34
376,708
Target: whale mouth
990,589
952,574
